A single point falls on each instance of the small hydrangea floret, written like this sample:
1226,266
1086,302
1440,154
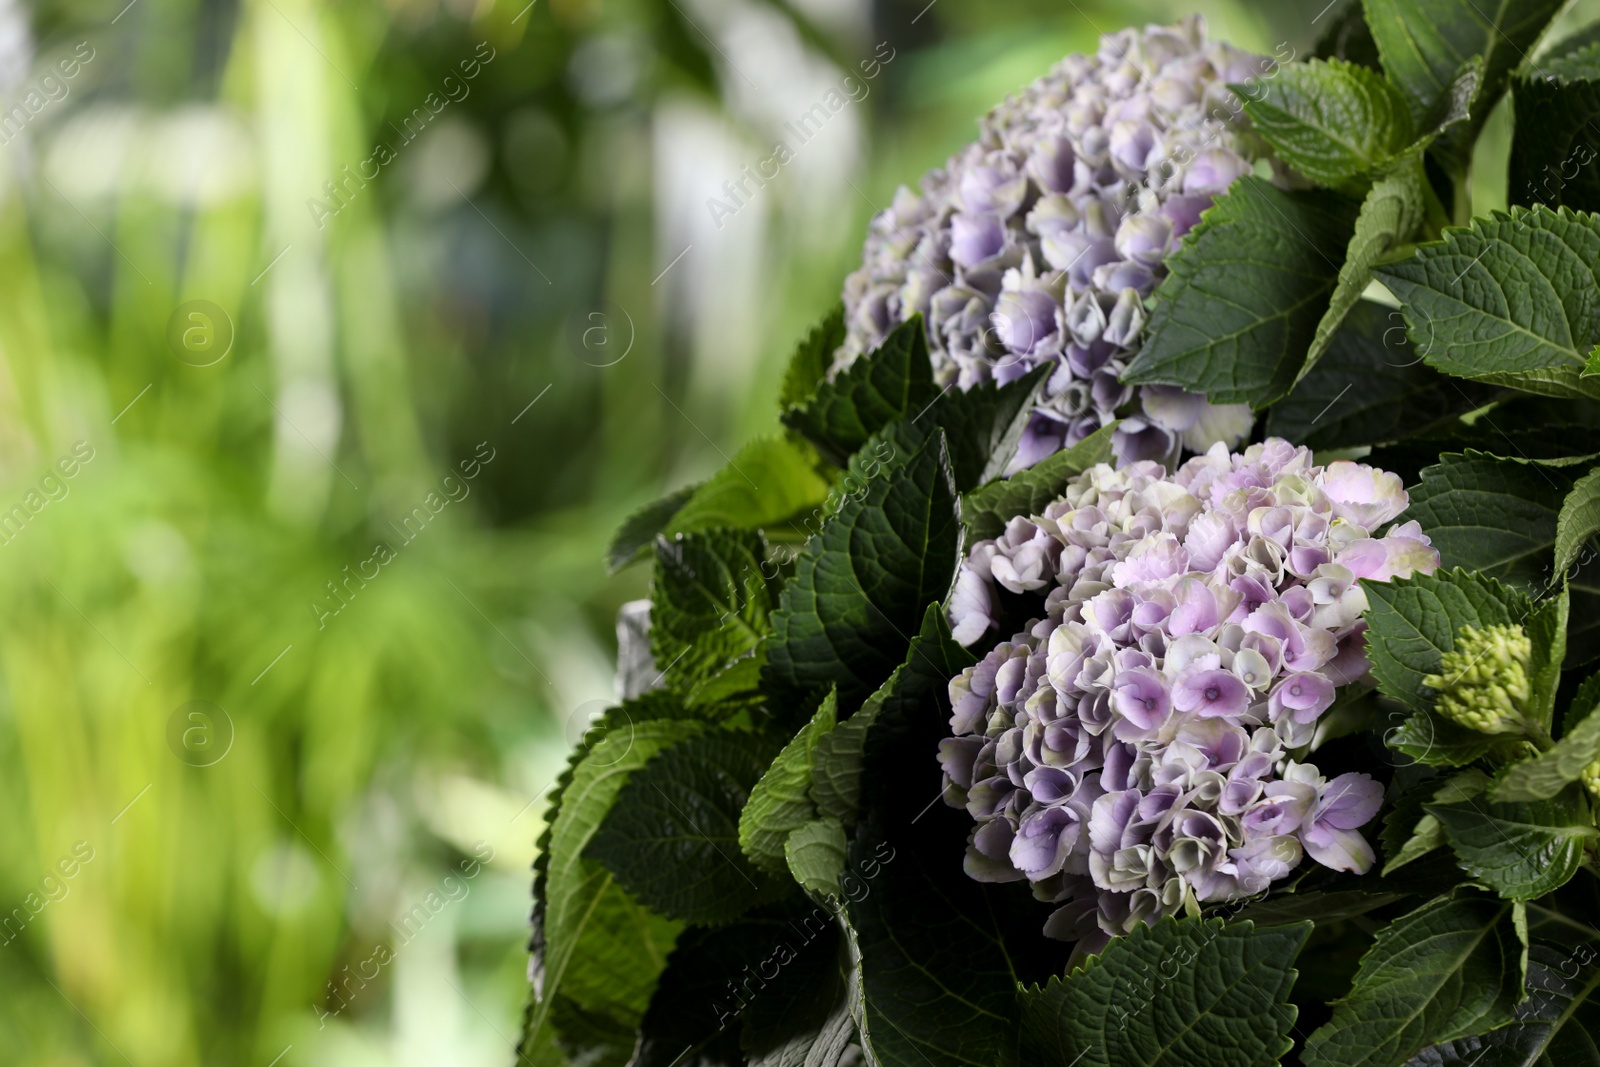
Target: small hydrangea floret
1040,243
1140,748
1483,682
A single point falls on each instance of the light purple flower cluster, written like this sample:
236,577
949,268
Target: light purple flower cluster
1140,748
1040,242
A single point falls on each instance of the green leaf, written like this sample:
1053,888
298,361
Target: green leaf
1370,386
1521,851
1425,43
592,1037
893,382
802,1019
812,358
1411,623
1546,627
1578,521
1244,293
1451,968
1426,833
634,537
1550,772
593,942
672,836
780,803
1334,122
1555,1027
836,767
769,484
1432,739
1392,210
1180,992
1493,515
986,511
860,586
815,854
1514,300
709,603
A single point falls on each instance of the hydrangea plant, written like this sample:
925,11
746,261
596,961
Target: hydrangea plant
1163,630
1139,749
1040,243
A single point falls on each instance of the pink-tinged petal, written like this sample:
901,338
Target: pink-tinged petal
1364,495
1340,850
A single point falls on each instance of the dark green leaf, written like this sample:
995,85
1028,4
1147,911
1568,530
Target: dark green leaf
709,603
1553,143
1345,36
1451,968
780,803
1583,629
1538,427
1333,121
633,538
937,985
860,586
1557,101
1557,1026
1181,992
672,836
986,511
803,1018
982,425
1244,293
812,358
1514,300
1578,521
892,383
1411,831
1584,703
1425,43
596,1038
711,980
1370,386
1521,851
1493,515
1323,906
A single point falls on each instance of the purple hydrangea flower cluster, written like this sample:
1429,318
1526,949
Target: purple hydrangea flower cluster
1041,242
1141,748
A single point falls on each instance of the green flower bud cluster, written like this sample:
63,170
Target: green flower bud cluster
1483,682
1591,778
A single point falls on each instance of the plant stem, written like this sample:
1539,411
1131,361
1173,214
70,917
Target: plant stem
1461,198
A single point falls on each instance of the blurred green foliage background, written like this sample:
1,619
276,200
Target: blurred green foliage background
326,862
